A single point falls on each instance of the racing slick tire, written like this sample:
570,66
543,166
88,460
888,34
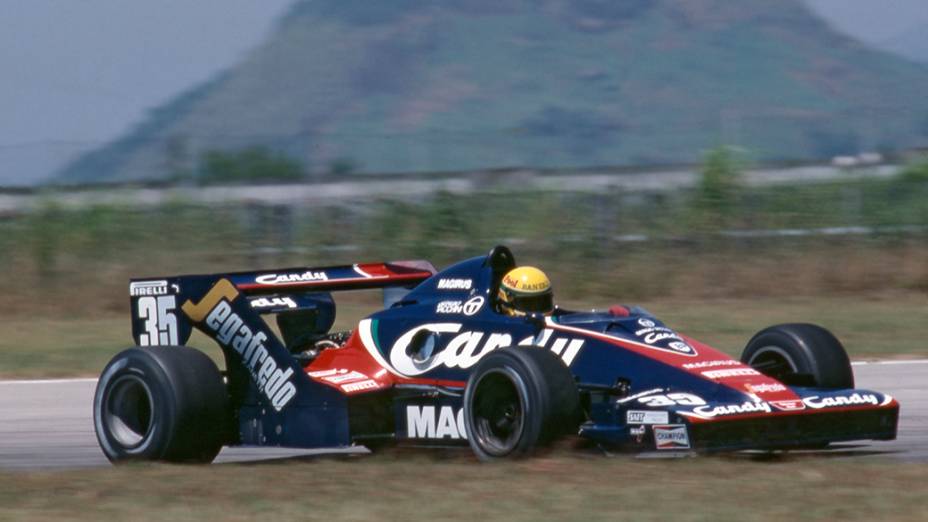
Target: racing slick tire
801,355
518,399
164,403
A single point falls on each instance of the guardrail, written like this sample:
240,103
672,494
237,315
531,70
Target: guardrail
403,187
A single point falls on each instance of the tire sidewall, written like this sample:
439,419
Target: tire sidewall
137,363
809,349
535,397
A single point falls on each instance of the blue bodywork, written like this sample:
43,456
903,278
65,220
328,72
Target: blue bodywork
628,365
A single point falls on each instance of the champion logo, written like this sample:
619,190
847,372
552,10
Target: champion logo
671,437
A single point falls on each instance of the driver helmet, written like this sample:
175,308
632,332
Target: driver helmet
525,289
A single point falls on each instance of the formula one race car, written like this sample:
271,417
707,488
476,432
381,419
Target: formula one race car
441,365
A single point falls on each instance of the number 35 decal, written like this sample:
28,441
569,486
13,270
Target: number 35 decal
160,326
684,399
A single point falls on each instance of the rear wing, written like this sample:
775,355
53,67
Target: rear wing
156,303
262,373
334,278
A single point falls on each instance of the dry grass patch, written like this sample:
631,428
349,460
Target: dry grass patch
417,488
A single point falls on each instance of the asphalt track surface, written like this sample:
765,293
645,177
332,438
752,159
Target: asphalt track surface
47,424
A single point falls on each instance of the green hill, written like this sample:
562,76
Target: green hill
416,85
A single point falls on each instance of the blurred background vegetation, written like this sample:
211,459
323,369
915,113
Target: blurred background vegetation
348,134
721,238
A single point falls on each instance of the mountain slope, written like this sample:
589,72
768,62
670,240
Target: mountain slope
409,86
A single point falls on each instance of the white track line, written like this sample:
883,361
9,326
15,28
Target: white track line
49,381
94,379
911,361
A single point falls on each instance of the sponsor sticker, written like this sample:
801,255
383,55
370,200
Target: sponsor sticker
469,307
671,437
272,378
455,284
357,386
340,376
463,350
429,422
662,338
711,364
709,412
283,279
788,405
449,307
730,372
473,305
771,387
646,417
142,288
345,377
273,302
856,399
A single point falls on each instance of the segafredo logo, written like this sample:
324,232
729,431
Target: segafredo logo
856,399
282,279
215,312
433,345
425,422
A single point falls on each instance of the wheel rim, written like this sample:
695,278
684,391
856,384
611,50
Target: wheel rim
127,413
773,361
498,412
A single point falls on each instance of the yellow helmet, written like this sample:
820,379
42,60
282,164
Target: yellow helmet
525,289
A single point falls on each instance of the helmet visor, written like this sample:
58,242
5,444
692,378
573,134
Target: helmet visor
542,303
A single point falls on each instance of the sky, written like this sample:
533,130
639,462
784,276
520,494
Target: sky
77,74
873,21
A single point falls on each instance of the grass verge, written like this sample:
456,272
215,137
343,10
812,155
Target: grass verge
877,327
416,488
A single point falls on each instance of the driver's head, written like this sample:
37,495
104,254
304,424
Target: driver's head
525,290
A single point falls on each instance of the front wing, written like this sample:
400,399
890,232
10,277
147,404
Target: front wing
821,417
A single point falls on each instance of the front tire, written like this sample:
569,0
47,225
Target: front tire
163,403
518,400
800,355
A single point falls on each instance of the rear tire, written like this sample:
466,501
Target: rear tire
518,400
166,403
800,355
